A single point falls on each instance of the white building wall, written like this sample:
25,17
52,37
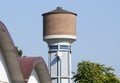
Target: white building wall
33,77
4,75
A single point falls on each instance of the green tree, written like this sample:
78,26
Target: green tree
89,72
20,53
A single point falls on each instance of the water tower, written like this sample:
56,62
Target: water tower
59,31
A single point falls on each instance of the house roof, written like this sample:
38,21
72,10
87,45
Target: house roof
2,27
10,55
29,63
58,11
20,68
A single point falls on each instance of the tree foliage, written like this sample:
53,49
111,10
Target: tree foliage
89,72
20,53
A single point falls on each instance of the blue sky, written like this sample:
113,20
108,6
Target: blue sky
98,28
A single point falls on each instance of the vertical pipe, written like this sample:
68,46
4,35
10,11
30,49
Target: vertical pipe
59,70
49,59
60,67
70,76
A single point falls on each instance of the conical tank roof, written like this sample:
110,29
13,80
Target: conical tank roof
58,11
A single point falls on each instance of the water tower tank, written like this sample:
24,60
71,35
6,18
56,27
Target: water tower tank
59,24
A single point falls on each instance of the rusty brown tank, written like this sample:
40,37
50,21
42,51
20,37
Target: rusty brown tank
59,23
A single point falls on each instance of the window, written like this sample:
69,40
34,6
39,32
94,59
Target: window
64,47
53,48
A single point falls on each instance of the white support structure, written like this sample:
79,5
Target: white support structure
60,61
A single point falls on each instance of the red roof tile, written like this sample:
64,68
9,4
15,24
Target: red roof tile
27,65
